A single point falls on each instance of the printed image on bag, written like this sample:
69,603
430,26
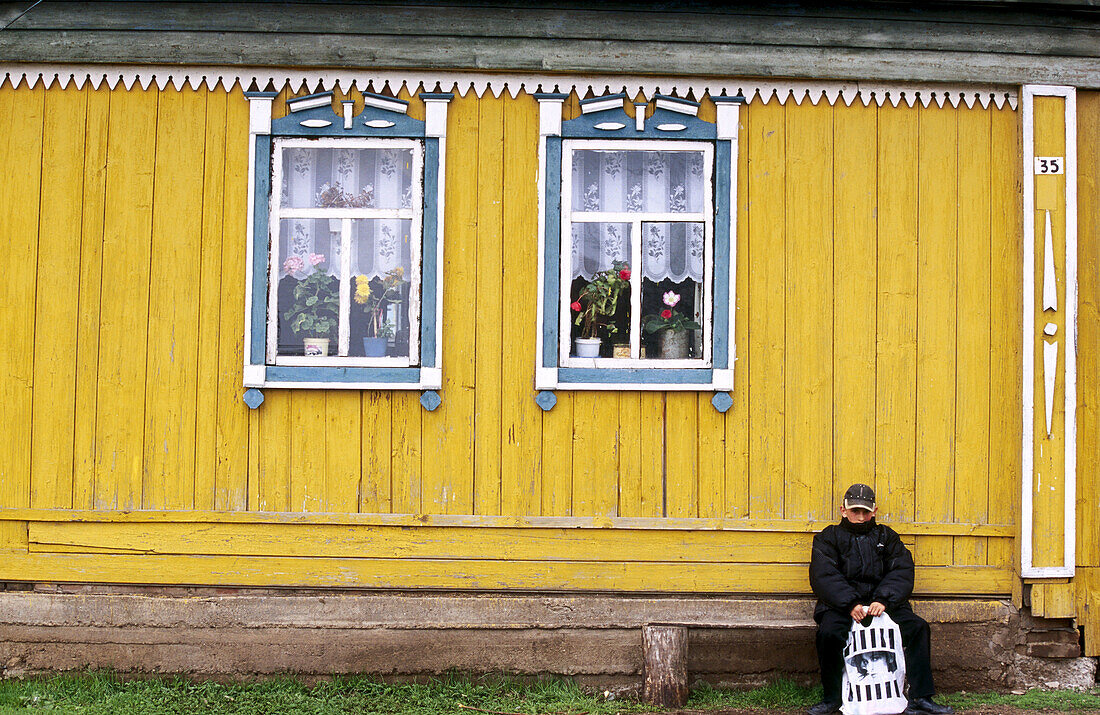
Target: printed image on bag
874,669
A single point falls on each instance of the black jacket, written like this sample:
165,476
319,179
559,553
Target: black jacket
847,568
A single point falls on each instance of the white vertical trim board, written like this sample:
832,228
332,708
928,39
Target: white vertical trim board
1069,339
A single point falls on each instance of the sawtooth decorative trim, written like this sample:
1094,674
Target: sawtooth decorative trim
391,82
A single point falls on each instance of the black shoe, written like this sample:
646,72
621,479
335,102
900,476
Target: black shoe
925,705
825,707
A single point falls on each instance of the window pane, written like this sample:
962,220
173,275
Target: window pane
672,289
347,178
599,288
638,181
308,284
381,266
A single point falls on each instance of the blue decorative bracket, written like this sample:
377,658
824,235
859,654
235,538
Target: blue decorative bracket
253,398
546,400
722,401
430,399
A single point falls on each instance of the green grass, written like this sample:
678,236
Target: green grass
104,693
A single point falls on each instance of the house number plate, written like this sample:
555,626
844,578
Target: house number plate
1050,165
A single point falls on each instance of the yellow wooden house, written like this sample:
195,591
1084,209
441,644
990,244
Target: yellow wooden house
889,249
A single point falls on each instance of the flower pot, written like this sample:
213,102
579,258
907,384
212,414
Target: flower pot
375,347
588,347
673,344
316,347
620,350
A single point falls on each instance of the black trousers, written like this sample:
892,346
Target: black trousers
832,635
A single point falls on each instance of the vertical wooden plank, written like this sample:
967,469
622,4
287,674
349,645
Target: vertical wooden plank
521,459
56,302
767,233
124,313
855,285
630,454
377,432
654,449
595,454
448,441
91,269
681,457
307,450
273,452
896,365
488,289
408,466
231,469
737,417
343,453
21,121
809,312
1088,331
175,261
936,326
210,287
711,458
974,321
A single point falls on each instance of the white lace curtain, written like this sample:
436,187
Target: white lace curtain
346,178
639,182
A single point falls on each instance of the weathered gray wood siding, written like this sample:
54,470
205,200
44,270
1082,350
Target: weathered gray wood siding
1010,43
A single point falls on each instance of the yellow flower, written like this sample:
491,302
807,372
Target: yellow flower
362,289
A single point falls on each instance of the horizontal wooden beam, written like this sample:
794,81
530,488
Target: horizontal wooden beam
463,574
798,526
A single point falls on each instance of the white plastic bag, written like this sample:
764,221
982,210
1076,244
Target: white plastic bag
874,669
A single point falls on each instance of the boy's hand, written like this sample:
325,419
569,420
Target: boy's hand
859,612
876,609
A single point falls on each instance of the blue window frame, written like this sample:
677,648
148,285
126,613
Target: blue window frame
346,242
606,213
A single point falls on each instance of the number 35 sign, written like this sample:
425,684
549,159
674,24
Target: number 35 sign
1049,165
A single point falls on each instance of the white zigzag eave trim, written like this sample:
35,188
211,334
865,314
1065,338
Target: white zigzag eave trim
392,81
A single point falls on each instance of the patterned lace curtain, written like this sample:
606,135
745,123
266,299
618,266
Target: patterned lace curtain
639,182
346,178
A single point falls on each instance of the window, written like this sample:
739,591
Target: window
346,241
638,263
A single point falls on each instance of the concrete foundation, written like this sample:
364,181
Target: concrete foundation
977,644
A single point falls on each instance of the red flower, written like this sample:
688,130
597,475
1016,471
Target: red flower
625,274
576,306
666,313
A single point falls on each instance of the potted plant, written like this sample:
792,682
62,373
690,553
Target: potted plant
334,197
598,301
671,327
315,310
379,331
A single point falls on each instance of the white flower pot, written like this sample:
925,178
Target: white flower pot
316,347
673,344
588,347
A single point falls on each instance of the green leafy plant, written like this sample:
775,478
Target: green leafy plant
315,311
600,299
669,319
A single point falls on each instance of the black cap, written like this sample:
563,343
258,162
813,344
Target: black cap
859,496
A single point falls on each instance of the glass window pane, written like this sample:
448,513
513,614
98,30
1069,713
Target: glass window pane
672,289
638,181
381,269
599,292
372,178
308,284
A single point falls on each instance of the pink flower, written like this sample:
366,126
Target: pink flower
671,299
293,264
576,306
666,313
625,274
316,258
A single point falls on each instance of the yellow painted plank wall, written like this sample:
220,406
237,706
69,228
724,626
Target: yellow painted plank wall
877,329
